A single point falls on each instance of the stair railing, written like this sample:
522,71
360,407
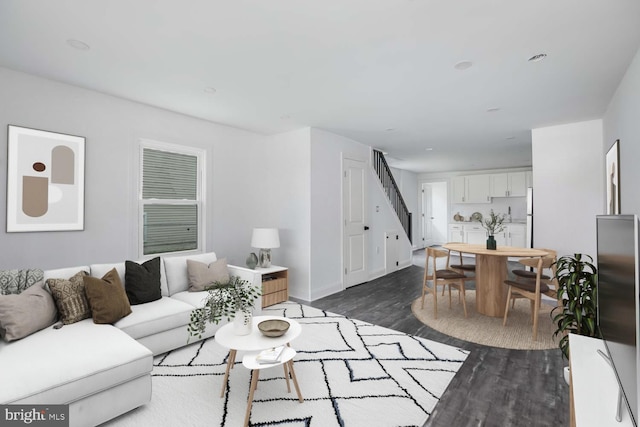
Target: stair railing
393,192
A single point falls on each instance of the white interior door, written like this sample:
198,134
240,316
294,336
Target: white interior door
427,216
354,193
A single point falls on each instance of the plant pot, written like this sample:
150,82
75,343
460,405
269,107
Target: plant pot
491,243
242,323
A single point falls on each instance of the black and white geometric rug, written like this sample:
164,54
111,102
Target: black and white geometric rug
350,373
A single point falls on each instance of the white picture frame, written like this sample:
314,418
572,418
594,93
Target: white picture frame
45,180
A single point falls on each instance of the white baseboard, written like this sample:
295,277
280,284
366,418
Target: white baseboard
325,291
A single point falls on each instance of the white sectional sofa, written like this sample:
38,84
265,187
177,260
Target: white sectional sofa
102,371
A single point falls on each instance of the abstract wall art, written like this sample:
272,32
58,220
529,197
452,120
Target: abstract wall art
45,181
613,179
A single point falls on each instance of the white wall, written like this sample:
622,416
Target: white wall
285,203
568,182
112,127
327,151
621,122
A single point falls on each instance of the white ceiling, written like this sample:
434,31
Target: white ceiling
378,71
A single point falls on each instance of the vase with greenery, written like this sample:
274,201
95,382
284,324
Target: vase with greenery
577,279
223,300
493,225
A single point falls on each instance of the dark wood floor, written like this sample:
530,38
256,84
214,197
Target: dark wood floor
495,387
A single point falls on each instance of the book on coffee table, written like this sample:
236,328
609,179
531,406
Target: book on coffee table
271,355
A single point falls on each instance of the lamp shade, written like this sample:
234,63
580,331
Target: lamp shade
265,238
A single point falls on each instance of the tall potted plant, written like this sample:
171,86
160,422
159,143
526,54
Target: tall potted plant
577,313
231,300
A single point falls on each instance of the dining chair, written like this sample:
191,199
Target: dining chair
548,274
532,289
462,268
445,277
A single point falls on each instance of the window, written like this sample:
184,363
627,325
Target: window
171,198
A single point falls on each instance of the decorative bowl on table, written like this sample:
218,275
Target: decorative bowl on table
273,327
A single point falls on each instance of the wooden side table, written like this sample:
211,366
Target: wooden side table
275,285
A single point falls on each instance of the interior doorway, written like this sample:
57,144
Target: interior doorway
433,227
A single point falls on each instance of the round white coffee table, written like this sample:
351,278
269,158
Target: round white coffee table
255,341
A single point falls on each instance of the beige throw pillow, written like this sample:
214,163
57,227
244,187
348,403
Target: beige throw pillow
27,312
202,275
107,297
70,298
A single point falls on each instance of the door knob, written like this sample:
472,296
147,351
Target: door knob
366,227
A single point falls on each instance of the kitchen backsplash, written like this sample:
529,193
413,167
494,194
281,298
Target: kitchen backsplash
500,205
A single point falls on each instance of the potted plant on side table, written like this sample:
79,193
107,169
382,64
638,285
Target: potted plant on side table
231,300
577,310
493,225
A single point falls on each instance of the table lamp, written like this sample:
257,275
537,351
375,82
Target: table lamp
265,239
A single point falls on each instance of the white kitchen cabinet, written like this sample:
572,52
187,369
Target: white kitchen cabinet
512,184
501,238
456,233
471,189
475,234
479,188
517,235
458,189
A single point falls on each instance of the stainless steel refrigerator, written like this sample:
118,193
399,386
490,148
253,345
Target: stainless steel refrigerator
529,217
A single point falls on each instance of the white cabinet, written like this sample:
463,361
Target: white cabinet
479,188
502,238
517,235
513,184
456,234
475,234
471,189
459,189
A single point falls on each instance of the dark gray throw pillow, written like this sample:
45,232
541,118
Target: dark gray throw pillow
142,281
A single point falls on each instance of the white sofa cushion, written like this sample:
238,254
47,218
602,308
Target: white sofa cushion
64,273
60,366
155,317
194,299
176,270
99,270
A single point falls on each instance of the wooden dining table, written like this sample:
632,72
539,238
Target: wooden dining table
491,272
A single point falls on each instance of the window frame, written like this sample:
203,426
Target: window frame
199,202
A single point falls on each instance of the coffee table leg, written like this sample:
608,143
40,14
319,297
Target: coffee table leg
231,359
254,383
286,376
295,380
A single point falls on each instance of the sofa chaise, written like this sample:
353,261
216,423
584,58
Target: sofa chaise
104,370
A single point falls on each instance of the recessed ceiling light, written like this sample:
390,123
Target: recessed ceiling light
463,65
428,149
493,109
210,90
77,44
538,57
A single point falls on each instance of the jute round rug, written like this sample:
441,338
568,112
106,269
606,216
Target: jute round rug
485,330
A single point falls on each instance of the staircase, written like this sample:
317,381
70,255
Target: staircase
393,192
